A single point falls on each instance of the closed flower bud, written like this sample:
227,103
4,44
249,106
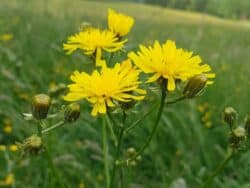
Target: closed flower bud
229,115
127,105
247,124
130,152
31,145
133,163
237,138
195,85
239,132
72,112
40,106
138,158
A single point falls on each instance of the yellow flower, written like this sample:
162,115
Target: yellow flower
2,147
92,41
7,129
13,147
119,83
81,185
119,23
6,37
9,180
168,62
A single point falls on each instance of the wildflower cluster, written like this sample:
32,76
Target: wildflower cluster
117,85
40,107
113,88
238,141
239,135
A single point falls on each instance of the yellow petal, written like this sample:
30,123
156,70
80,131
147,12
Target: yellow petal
171,84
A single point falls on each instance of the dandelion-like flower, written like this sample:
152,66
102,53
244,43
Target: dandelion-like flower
102,88
92,41
119,23
169,62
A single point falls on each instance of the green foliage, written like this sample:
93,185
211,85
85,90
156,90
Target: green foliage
184,149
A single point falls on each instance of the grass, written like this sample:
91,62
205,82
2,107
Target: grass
184,148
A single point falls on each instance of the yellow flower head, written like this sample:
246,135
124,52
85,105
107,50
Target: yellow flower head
170,63
13,147
7,129
6,37
119,23
9,180
119,83
2,147
92,41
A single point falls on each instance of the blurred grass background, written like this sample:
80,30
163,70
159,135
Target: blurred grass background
191,140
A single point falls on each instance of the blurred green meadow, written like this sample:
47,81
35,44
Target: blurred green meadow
191,139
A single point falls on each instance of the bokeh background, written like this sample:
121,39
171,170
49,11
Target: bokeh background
191,140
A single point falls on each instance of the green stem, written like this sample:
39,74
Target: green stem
111,130
52,167
48,156
115,123
117,152
218,169
141,119
105,152
121,177
163,97
57,125
176,100
39,129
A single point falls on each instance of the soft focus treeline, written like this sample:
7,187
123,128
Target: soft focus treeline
235,9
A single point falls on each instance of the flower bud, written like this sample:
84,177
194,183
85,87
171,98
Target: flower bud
130,152
138,158
31,145
247,124
133,163
72,112
239,132
229,115
40,106
127,105
195,85
237,138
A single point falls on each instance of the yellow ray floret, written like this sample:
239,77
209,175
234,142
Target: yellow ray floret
169,62
120,83
119,23
92,41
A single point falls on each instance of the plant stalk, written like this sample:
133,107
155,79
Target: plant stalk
105,152
57,125
117,153
218,169
48,156
163,97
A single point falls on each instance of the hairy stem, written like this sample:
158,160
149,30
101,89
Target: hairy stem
136,123
146,144
105,152
117,152
57,125
218,169
113,136
48,156
176,100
